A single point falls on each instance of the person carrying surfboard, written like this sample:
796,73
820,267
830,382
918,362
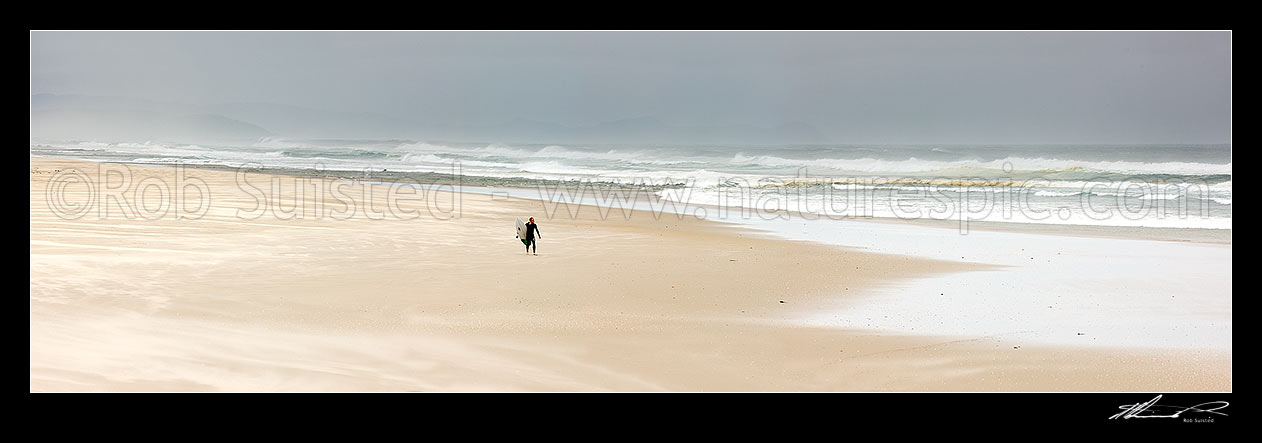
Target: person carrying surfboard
532,231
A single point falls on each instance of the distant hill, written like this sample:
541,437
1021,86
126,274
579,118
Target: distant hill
101,119
131,125
105,118
306,122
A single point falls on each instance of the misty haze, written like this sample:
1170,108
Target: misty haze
611,87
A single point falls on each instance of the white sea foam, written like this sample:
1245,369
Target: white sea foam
1055,194
875,173
962,167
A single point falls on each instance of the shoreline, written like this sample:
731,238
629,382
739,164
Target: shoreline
637,304
1194,235
1189,235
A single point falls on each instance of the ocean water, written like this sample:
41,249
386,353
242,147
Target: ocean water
1179,186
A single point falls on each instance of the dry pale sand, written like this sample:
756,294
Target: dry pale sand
224,303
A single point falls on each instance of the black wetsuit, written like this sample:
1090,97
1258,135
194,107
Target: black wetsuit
531,230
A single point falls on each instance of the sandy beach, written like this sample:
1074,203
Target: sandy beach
448,301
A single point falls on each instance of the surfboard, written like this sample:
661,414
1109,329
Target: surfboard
521,230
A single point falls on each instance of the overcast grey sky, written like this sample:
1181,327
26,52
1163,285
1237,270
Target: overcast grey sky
867,87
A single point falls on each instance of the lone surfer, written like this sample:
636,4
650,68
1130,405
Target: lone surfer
532,231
